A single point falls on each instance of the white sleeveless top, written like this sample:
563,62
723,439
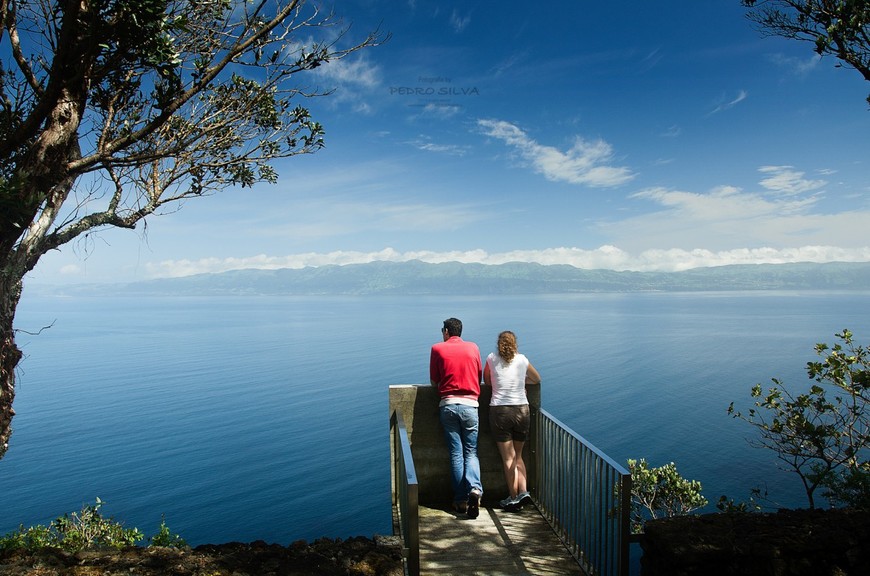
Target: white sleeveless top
508,380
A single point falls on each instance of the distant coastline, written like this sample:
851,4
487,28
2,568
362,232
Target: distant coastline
454,278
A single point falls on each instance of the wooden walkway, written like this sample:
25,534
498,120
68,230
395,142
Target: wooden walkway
496,543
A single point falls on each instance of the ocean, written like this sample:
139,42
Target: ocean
266,418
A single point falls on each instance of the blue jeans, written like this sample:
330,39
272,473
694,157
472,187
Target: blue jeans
461,425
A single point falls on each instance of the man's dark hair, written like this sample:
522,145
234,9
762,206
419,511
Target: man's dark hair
453,327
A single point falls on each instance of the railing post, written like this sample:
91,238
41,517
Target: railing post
405,494
625,523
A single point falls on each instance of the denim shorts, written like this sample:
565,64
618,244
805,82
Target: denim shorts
509,423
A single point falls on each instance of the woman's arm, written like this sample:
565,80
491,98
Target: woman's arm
532,376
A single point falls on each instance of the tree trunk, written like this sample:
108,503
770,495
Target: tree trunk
10,294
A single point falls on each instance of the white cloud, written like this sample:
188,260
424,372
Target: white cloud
727,217
70,270
724,204
450,149
605,257
351,77
787,180
586,162
357,71
797,66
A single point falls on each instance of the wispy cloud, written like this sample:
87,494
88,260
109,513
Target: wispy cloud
340,217
672,131
459,23
787,180
358,71
426,144
587,162
650,60
604,257
727,105
352,78
726,217
796,66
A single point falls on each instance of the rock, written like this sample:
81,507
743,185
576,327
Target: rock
358,556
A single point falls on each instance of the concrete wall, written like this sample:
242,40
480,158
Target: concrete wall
418,405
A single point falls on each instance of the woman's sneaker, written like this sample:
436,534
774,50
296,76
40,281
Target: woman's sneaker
524,498
511,504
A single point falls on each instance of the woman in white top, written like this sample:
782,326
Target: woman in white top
508,372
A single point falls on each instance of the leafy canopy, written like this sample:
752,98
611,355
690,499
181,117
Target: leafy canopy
840,28
112,109
821,433
115,110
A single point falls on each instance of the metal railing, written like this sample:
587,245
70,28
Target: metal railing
405,494
585,496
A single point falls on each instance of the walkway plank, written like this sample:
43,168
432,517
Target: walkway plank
497,543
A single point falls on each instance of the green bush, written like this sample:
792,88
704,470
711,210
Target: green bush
86,529
166,538
661,493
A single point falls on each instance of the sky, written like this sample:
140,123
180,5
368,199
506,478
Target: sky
624,135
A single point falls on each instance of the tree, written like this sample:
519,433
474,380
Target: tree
111,110
837,27
822,434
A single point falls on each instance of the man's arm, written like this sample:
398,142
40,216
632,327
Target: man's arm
434,369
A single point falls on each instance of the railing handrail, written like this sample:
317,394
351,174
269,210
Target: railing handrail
585,496
610,461
406,493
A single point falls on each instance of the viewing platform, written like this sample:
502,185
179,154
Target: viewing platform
495,543
577,525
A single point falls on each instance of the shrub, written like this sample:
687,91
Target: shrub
166,538
86,529
660,493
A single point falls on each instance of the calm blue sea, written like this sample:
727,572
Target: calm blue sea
248,418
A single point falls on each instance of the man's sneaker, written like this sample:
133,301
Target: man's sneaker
473,507
524,498
460,507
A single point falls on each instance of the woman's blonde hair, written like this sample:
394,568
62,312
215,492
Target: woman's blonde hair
507,345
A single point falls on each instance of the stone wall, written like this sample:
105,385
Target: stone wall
785,543
418,405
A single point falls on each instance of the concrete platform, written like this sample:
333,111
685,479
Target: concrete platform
496,543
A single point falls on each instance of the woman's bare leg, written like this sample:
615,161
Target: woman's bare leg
520,467
509,464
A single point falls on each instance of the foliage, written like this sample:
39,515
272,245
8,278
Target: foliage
112,111
837,27
661,493
729,506
166,538
823,433
87,529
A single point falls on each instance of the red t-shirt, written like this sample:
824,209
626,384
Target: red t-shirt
455,367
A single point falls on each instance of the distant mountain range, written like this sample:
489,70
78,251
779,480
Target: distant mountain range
421,278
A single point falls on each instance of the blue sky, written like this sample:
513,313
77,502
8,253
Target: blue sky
628,135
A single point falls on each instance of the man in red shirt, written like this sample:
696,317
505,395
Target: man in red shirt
455,368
